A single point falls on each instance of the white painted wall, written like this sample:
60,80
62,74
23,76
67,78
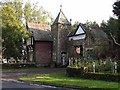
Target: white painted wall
77,37
79,31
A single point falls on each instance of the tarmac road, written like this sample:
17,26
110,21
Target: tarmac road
9,85
10,80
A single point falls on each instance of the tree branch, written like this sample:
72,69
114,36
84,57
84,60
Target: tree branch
114,40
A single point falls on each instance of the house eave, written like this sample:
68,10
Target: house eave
76,35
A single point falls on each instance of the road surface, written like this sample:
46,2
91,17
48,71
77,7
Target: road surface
9,85
10,80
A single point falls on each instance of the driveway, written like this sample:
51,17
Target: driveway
16,74
10,79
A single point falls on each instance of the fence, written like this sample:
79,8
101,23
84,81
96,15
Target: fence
95,65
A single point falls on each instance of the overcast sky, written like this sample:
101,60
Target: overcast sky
79,10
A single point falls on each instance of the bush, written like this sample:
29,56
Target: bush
79,72
99,65
75,71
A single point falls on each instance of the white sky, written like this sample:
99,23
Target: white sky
79,10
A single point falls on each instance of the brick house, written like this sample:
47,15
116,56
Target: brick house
76,42
57,43
60,29
42,44
93,43
50,43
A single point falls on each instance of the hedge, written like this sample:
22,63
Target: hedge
78,72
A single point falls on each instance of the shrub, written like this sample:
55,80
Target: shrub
79,72
98,65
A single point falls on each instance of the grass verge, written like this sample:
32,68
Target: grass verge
61,79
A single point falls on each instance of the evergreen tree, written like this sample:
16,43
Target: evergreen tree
116,11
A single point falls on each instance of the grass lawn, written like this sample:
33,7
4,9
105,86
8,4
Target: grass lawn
61,79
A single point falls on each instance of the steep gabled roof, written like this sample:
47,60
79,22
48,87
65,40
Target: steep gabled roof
41,35
61,18
39,26
80,30
98,34
41,32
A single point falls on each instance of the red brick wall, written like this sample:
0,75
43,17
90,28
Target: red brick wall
43,51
